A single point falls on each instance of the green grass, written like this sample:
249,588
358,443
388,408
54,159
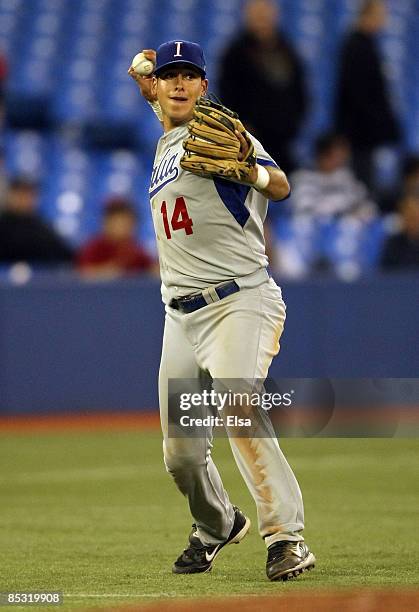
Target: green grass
96,516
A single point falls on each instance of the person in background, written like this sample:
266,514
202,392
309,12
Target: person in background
115,252
3,77
410,178
3,179
260,59
24,236
330,215
363,110
401,251
330,188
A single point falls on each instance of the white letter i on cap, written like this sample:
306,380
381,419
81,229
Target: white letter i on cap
178,53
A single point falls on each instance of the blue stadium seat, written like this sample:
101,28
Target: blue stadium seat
70,100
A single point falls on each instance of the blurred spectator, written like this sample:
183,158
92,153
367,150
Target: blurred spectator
410,184
115,251
363,109
3,180
402,250
331,222
24,236
260,77
3,76
330,189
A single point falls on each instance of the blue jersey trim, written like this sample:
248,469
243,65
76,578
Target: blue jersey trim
233,196
286,197
267,162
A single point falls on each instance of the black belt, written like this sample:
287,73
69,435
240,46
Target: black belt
190,303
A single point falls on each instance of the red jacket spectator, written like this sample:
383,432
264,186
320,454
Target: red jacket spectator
115,251
126,255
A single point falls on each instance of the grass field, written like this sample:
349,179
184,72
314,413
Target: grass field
96,516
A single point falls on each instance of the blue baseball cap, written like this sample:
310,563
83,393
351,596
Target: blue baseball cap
180,52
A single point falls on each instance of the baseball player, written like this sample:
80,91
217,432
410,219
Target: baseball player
224,314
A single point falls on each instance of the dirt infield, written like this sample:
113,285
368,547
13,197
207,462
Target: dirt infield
359,601
94,421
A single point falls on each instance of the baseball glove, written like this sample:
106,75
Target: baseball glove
212,147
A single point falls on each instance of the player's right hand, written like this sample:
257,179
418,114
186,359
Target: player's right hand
144,82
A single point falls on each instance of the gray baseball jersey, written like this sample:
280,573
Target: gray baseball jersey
208,230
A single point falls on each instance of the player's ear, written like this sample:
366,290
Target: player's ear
204,87
154,86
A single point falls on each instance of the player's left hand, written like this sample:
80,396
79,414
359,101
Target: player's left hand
244,150
244,145
218,144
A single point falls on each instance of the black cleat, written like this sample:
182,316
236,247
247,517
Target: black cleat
197,557
288,559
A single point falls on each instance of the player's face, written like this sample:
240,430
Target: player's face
177,90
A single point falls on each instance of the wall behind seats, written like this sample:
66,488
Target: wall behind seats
71,346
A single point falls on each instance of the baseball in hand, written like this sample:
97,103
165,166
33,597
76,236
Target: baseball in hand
141,65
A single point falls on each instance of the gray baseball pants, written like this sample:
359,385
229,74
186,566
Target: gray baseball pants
234,338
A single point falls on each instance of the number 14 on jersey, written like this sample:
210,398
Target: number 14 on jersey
180,218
